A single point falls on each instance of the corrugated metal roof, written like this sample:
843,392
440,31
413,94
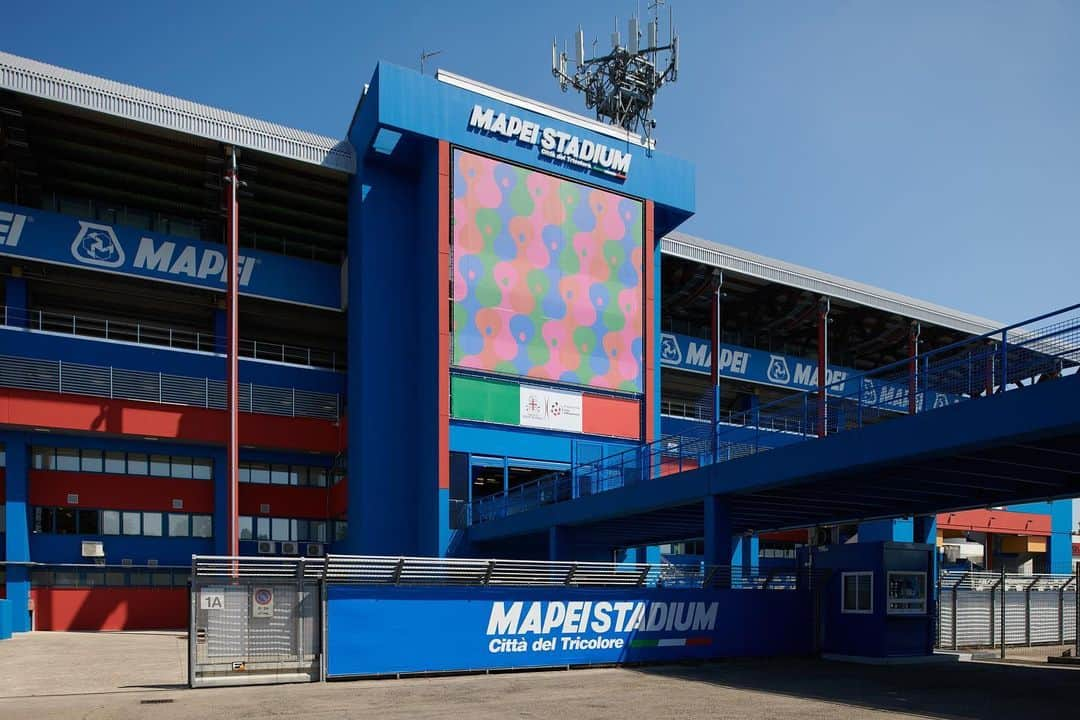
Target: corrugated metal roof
730,258
50,82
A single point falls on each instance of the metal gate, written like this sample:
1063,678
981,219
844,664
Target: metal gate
1038,610
255,620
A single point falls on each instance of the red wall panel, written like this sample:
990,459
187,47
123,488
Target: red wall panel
611,416
285,501
120,492
339,500
996,521
124,417
105,608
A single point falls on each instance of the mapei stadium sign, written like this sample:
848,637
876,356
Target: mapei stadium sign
555,144
64,240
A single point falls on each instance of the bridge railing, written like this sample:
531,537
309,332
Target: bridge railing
1038,350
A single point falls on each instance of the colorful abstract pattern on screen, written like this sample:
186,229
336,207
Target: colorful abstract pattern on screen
547,277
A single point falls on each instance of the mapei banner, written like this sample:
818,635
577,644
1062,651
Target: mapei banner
760,366
65,240
383,630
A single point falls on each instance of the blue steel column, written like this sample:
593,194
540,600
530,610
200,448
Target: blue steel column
17,533
718,532
220,459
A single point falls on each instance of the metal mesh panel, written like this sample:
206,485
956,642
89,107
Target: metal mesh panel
136,385
86,380
1039,609
27,374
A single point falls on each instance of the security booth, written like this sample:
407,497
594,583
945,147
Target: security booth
877,600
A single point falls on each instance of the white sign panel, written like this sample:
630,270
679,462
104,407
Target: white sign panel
550,409
262,602
212,599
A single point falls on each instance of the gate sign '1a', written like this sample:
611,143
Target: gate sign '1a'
212,599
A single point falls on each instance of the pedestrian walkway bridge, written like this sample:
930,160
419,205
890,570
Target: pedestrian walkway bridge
991,420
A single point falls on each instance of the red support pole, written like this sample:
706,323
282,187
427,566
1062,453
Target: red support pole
913,352
823,360
232,376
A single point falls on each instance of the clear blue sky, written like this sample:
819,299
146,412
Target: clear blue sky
928,147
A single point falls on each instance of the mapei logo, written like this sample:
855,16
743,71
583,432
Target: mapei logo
869,392
670,352
778,371
97,245
11,227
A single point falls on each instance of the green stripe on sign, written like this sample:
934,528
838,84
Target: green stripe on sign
644,643
487,400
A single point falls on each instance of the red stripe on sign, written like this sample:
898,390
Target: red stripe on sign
703,640
610,416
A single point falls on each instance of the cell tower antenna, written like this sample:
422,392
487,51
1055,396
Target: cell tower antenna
425,55
621,86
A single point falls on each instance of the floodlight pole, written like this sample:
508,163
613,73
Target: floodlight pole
232,378
913,355
823,360
717,337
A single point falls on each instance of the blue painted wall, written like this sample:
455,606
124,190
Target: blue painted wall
17,530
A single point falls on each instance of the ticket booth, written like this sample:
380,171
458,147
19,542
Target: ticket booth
877,600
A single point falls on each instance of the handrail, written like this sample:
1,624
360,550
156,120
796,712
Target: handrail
921,383
163,336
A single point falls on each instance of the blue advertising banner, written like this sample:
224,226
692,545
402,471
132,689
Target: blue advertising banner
65,240
760,366
383,630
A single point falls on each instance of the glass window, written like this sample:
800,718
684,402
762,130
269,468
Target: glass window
3,456
180,579
317,531
94,577
279,474
245,527
114,463
262,528
260,473
139,578
151,524
42,458
203,469
182,468
110,522
162,579
341,529
159,465
858,593
41,578
65,521
243,472
92,461
67,459
137,464
279,529
302,530
43,520
202,526
132,525
89,522
66,577
298,475
317,476
178,525
115,578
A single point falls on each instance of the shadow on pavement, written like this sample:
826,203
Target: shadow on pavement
957,691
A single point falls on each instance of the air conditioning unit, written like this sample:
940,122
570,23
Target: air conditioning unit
152,562
267,547
314,550
127,562
289,548
93,549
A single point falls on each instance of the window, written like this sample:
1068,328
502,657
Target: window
317,476
279,529
114,463
43,520
301,530
260,473
203,469
279,474
246,532
42,458
3,456
65,522
244,473
92,461
341,530
262,528
67,459
151,524
202,526
317,531
131,523
89,522
858,593
159,465
182,468
907,593
178,525
110,522
299,476
137,464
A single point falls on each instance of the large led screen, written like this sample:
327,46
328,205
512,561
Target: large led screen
547,277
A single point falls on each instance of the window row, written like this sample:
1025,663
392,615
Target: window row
121,463
71,577
289,529
282,474
80,521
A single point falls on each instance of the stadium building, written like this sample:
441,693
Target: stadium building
468,292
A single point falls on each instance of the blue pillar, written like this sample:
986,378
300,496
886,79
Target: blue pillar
221,501
17,531
15,300
892,530
220,331
718,545
557,543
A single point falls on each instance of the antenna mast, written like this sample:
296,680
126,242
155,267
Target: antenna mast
622,85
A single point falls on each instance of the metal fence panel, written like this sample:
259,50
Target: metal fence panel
1039,610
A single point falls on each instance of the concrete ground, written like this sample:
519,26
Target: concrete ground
134,675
